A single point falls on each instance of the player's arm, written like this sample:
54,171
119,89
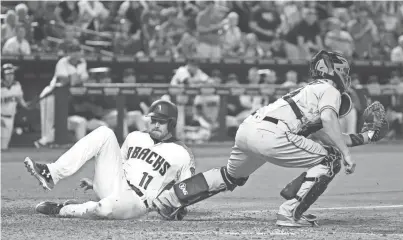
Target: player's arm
332,128
351,140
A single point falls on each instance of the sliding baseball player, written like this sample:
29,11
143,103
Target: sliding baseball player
127,179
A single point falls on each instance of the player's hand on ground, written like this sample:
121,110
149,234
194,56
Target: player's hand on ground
349,165
86,184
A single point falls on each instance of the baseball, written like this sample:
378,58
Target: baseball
18,130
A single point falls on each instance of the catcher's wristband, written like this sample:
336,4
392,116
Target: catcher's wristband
357,139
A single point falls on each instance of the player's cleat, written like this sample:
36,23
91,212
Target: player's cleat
40,172
285,221
52,208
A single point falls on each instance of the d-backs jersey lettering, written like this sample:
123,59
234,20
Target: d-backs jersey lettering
151,167
311,100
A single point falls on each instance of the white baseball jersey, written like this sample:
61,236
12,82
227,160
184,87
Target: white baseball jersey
152,166
9,98
311,100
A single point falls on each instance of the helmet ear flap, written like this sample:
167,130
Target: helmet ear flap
171,125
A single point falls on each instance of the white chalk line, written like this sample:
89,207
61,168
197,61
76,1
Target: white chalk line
332,208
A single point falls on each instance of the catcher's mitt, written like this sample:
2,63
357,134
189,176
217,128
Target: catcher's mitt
374,122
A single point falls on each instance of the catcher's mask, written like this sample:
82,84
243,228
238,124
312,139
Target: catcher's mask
333,66
165,111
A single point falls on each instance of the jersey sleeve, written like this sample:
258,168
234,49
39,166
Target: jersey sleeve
329,98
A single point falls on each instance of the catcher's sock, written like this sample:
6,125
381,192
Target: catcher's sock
85,210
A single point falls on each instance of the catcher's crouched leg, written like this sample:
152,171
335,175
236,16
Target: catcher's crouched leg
195,189
303,191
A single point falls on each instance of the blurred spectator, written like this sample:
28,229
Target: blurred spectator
17,45
161,44
68,41
267,76
243,9
8,28
67,13
150,19
290,15
24,19
173,27
264,22
337,40
252,47
208,23
232,36
132,11
124,42
188,11
304,38
364,33
216,77
277,49
397,53
291,79
91,14
190,74
187,46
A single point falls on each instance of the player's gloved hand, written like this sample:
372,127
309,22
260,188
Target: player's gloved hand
349,164
374,122
3,124
181,214
86,184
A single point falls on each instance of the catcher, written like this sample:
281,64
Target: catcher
281,133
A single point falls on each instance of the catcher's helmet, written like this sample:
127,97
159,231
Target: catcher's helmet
333,66
164,110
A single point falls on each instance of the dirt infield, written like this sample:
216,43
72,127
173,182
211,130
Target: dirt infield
365,205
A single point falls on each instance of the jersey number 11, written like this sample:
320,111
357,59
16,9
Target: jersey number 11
144,182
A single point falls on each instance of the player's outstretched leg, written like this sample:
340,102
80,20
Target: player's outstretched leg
100,142
303,191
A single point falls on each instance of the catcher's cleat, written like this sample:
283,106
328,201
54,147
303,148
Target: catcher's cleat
40,172
52,208
285,221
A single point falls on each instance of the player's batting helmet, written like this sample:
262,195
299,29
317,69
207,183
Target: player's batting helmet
164,110
333,66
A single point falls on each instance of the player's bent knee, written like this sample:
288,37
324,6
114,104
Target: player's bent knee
105,130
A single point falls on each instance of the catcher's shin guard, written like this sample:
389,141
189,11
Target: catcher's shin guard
320,183
205,185
195,189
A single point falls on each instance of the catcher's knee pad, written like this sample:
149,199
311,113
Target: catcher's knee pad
332,160
205,185
318,187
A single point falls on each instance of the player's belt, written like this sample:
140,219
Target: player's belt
267,118
6,116
138,192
